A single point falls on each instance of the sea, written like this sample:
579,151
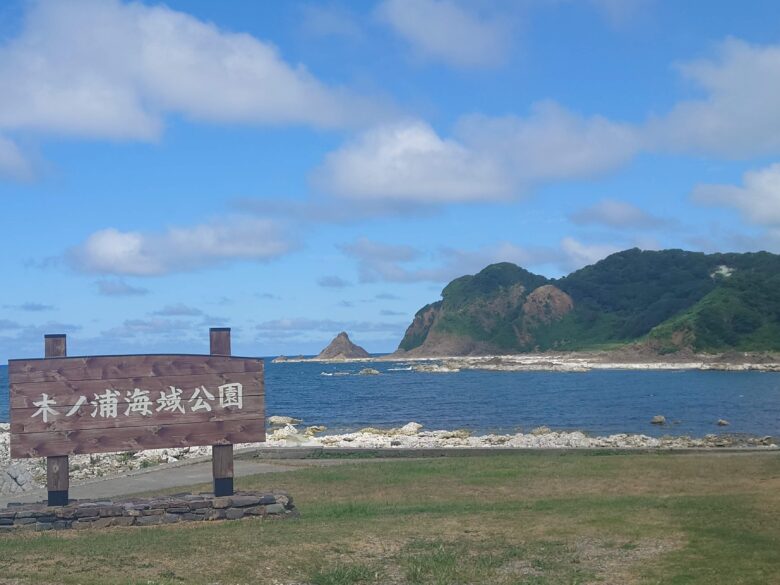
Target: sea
596,402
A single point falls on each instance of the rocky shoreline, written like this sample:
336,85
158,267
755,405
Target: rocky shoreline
22,475
570,362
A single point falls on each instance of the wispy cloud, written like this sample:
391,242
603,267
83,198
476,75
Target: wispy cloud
302,325
111,251
32,307
617,214
329,20
13,164
333,281
758,198
391,313
132,328
25,341
119,288
620,13
268,296
387,297
378,262
579,254
178,310
448,32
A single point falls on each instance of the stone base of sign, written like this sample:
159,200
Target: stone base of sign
91,514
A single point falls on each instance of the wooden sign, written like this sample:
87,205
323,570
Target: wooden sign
66,406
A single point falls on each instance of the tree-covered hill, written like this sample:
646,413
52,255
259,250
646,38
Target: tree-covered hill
666,300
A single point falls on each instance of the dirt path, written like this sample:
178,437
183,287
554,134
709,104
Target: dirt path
182,474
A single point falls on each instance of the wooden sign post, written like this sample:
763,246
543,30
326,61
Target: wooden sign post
221,455
63,406
57,472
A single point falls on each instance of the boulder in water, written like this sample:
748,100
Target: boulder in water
280,421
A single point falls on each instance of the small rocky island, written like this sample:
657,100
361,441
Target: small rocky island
342,348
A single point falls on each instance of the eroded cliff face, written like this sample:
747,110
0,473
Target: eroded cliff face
417,333
544,306
503,318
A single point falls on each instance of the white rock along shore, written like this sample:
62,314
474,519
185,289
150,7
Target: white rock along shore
21,475
571,362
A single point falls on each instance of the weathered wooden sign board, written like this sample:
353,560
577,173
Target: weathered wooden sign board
66,406
63,406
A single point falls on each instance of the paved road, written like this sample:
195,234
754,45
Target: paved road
166,476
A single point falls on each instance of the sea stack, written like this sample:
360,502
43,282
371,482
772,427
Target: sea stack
341,348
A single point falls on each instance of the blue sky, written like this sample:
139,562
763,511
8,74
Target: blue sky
292,169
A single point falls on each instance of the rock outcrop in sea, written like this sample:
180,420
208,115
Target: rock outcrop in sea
342,348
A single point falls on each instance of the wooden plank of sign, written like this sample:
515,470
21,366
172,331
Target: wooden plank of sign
131,366
137,438
23,420
67,392
66,380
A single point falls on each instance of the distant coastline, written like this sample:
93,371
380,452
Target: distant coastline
571,361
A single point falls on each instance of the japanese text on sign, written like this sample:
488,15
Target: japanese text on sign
111,403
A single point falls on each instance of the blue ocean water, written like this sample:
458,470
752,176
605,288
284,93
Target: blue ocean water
597,402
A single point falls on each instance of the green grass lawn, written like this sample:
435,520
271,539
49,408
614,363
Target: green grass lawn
500,519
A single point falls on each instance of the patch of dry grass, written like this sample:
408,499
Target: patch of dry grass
499,520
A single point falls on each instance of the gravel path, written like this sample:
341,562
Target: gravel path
184,473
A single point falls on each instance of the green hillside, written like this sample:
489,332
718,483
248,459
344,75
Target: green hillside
667,300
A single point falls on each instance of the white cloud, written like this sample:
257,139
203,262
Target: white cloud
617,214
13,163
488,159
758,199
442,30
402,264
408,161
552,143
107,69
493,158
739,114
580,254
111,251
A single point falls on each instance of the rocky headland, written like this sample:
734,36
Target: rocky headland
660,302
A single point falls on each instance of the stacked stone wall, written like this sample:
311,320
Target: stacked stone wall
91,514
